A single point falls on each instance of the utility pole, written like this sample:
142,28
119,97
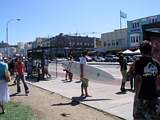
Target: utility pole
7,32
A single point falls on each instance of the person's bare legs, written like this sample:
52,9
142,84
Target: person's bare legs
82,86
86,91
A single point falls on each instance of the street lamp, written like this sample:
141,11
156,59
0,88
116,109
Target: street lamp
7,25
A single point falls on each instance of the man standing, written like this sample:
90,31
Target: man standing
147,70
123,69
20,69
84,80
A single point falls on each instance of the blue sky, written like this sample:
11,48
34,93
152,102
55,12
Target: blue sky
46,18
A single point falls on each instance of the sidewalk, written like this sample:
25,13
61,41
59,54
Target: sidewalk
105,97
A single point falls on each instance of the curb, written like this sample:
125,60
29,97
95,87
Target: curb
112,115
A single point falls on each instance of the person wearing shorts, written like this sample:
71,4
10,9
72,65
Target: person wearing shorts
84,85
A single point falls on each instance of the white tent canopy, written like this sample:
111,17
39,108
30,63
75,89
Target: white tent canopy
127,52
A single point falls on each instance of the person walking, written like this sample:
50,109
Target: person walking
84,85
4,79
20,69
46,71
69,74
131,76
29,68
147,70
11,68
123,69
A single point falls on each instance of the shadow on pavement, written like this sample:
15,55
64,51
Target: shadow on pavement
76,101
78,81
84,99
33,80
66,81
17,94
65,114
72,103
120,93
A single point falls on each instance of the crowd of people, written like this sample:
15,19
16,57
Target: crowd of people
144,77
143,74
11,69
14,69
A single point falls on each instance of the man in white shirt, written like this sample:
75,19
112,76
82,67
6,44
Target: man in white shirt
84,80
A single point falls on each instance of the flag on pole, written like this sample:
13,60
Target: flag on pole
123,15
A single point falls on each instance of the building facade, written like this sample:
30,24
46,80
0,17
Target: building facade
63,41
65,44
135,32
61,45
116,40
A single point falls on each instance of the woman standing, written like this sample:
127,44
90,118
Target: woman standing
4,79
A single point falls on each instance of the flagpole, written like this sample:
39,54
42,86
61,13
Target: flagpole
120,27
120,20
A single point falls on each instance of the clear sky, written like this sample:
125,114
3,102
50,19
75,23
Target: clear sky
46,18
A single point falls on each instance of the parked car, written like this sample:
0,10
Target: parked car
98,59
102,59
95,58
89,59
111,58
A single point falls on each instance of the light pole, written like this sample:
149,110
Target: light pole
7,26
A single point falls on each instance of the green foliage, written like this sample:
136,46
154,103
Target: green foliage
16,111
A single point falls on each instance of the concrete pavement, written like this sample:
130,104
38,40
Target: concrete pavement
104,97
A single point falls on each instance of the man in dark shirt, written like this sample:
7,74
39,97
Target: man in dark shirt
123,69
147,70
